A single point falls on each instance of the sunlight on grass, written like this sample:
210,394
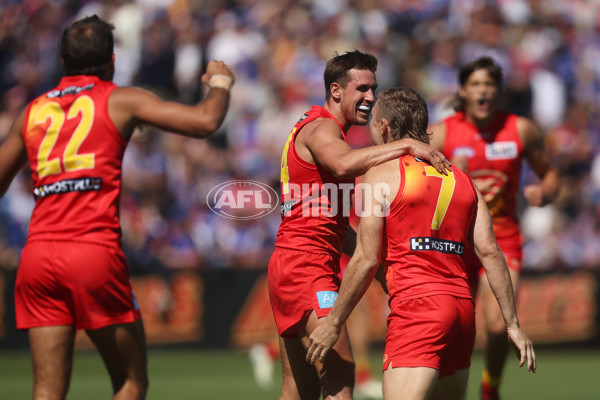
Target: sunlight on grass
219,374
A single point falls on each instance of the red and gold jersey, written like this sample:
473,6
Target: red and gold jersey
75,154
426,232
494,163
314,204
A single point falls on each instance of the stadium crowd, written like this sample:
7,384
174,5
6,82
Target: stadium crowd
548,51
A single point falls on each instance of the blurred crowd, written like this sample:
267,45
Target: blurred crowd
278,50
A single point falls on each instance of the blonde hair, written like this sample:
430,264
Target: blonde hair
406,112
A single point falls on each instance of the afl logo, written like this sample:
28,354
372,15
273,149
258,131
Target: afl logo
242,199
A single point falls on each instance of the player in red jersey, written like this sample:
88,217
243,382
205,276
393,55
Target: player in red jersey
317,172
72,273
367,317
423,220
490,145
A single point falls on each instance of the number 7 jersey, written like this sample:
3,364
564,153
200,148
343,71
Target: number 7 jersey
75,155
427,230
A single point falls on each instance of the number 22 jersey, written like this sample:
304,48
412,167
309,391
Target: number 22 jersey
75,154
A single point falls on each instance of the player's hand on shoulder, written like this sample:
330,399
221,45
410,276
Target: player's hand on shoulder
429,153
218,74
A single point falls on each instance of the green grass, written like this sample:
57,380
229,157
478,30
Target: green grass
563,374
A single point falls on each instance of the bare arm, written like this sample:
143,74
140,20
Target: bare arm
496,269
320,142
537,157
359,274
130,106
13,154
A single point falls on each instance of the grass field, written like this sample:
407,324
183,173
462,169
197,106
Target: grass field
182,374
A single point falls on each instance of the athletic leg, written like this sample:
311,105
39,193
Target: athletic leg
334,378
337,371
497,345
409,383
300,379
52,358
123,349
453,387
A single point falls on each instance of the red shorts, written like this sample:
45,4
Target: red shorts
299,283
511,247
73,283
434,331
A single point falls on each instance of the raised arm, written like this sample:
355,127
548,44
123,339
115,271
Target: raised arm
320,142
13,154
496,269
130,106
537,158
357,278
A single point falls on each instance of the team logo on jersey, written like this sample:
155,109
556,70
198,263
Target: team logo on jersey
69,90
302,118
326,299
428,243
286,206
493,186
501,151
67,186
242,199
465,151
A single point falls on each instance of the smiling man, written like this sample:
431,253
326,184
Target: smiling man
418,229
490,144
318,169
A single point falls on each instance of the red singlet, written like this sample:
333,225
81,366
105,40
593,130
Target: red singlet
426,232
432,318
75,154
494,163
315,205
304,270
72,269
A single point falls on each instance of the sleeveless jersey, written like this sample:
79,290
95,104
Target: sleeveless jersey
75,154
494,163
426,232
315,205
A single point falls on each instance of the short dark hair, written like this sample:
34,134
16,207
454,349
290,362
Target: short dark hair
337,68
87,47
406,112
487,63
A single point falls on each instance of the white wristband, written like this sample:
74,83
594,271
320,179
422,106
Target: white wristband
220,81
